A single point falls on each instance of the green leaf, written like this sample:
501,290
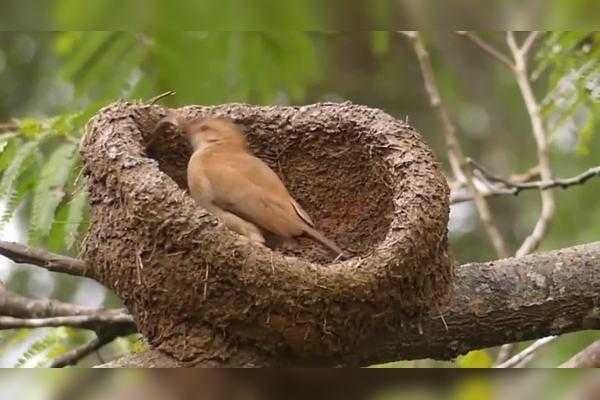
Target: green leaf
5,140
475,359
30,127
50,189
11,338
34,355
69,218
92,46
65,42
77,208
18,164
8,153
24,186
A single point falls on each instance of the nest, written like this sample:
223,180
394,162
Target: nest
199,292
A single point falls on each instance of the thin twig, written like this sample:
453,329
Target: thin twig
8,127
93,322
487,48
102,338
455,155
528,44
515,188
22,254
532,242
74,356
529,351
18,306
161,96
459,194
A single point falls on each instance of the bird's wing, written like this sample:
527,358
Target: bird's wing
244,185
302,214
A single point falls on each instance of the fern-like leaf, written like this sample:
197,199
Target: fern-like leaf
54,344
24,186
50,189
34,355
77,210
5,139
69,218
18,164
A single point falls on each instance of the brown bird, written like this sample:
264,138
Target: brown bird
226,179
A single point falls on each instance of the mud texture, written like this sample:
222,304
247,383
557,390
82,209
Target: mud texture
201,293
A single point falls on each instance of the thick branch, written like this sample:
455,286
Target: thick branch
52,262
505,301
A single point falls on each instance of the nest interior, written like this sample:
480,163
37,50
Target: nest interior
369,182
343,186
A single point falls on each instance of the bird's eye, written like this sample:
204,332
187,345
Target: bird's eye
203,128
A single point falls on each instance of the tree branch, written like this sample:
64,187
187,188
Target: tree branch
23,307
8,127
74,356
52,262
529,42
461,171
587,358
22,312
526,354
532,242
504,301
495,185
487,48
94,322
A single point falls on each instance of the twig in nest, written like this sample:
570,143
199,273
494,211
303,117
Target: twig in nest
158,98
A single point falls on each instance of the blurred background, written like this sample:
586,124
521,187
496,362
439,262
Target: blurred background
203,384
51,83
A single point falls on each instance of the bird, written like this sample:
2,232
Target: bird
240,189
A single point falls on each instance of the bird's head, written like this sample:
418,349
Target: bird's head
214,131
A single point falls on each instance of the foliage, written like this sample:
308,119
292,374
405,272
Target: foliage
571,61
475,359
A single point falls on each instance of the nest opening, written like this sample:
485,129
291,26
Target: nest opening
343,186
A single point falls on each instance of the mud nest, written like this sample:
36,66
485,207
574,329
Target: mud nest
200,293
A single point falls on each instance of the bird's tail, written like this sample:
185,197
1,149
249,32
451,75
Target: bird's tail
318,236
